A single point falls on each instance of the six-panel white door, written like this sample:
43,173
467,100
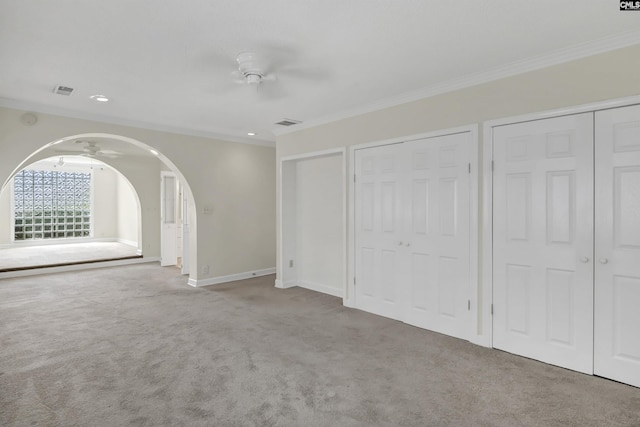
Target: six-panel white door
379,233
412,232
543,240
617,246
436,234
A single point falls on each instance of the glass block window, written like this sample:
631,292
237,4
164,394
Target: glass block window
52,204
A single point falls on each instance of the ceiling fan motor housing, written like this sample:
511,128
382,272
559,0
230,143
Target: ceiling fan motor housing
248,65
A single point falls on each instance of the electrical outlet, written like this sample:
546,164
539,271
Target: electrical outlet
205,269
290,263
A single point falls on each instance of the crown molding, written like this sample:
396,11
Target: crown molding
44,109
556,57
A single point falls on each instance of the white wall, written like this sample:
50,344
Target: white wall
127,212
599,77
234,181
6,226
319,224
105,208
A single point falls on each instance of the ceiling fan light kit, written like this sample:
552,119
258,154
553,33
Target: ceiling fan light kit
251,70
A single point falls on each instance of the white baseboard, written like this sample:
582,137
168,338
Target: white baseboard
347,302
312,286
285,285
127,242
230,278
66,241
76,267
319,287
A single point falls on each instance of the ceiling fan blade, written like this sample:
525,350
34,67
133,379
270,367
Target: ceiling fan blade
307,73
270,91
269,78
237,77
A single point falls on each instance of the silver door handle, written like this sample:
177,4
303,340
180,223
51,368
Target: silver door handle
584,259
399,243
407,244
603,260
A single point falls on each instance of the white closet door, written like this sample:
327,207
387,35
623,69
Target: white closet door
617,249
378,222
543,240
436,206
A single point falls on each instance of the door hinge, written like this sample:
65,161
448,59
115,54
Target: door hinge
354,281
354,177
493,166
492,309
469,167
469,305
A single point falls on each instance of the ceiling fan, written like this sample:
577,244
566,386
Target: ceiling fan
251,70
90,149
269,73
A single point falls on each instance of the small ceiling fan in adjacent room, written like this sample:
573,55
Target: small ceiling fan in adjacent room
90,149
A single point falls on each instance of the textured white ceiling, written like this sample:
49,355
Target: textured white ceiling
168,63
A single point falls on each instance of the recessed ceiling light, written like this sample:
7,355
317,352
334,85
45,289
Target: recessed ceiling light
99,98
154,152
251,133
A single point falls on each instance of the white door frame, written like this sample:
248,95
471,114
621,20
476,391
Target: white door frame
291,160
487,193
349,300
164,238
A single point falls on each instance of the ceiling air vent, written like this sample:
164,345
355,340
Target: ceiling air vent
63,90
288,122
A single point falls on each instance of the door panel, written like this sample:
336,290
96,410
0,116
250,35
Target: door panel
543,240
379,231
617,277
438,212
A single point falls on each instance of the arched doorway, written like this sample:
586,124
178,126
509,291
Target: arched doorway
141,165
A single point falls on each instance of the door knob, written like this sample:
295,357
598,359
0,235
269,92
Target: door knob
407,244
584,259
399,243
603,260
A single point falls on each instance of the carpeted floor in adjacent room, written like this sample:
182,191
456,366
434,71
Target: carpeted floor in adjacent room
135,346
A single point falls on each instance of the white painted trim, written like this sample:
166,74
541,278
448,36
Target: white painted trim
474,335
313,154
44,109
285,285
64,241
77,267
557,57
345,249
486,337
127,242
576,109
414,137
319,287
474,180
308,156
196,283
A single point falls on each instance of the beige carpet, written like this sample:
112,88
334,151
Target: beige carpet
28,256
135,346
